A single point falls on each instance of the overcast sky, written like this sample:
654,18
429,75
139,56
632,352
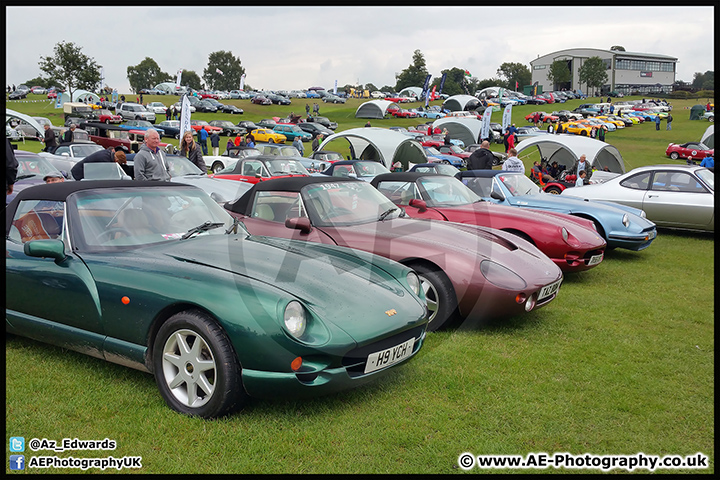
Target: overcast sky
283,48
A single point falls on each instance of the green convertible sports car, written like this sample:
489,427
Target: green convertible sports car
158,277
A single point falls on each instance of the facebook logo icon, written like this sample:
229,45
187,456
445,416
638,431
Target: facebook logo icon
17,462
17,444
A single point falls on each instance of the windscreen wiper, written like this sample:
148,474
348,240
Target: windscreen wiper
202,228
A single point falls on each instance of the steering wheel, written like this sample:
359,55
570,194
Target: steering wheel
106,233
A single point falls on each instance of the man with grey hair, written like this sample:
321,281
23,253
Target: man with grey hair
150,161
69,134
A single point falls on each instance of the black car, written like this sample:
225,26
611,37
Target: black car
232,109
229,129
267,123
247,125
261,100
314,129
279,99
17,95
205,106
324,121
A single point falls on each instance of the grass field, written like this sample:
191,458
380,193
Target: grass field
621,362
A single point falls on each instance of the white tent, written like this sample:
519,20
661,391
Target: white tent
708,137
566,150
462,128
82,95
412,91
9,114
458,103
373,109
381,145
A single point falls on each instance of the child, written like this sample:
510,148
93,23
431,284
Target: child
580,179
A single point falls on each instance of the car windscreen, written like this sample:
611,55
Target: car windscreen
346,203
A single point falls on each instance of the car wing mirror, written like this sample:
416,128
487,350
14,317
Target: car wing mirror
45,249
299,223
419,204
497,195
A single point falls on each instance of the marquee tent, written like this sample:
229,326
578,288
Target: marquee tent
461,128
381,145
708,137
373,109
9,114
457,103
566,150
82,95
412,91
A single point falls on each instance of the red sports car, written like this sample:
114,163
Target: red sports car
454,150
544,117
261,168
696,150
403,113
428,141
472,271
571,242
106,116
198,124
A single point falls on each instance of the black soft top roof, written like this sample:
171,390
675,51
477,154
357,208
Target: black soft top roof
59,191
401,177
283,184
481,173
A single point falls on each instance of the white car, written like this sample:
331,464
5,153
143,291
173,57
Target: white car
177,107
156,107
377,94
38,90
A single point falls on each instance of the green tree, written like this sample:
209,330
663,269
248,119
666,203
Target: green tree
146,74
515,72
231,69
191,79
559,73
704,81
593,73
414,75
618,48
73,69
456,82
42,82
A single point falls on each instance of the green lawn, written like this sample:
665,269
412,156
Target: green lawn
621,362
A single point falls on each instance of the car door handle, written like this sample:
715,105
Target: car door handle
653,196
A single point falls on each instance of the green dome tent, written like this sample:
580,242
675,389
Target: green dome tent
696,112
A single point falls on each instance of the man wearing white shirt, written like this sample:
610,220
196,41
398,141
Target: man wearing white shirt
513,163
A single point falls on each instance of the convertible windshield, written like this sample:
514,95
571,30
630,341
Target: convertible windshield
285,167
346,203
107,219
446,191
519,185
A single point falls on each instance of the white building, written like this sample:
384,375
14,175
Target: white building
628,72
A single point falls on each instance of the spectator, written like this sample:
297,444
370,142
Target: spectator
482,158
249,140
297,143
49,139
540,174
56,177
168,114
581,178
116,154
669,120
554,170
316,143
202,137
69,134
150,162
446,137
238,140
580,165
11,166
215,143
190,149
657,122
708,162
513,163
601,134
230,144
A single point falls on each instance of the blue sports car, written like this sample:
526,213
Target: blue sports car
434,156
621,226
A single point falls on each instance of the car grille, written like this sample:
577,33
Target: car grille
355,360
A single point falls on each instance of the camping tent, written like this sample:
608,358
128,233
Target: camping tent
412,92
373,109
381,145
9,114
566,150
696,112
708,137
457,103
462,128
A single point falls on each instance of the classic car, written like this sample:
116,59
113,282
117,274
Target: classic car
247,125
324,121
544,117
572,243
672,196
205,106
198,125
597,123
428,113
268,135
281,150
439,168
696,150
261,100
229,157
262,168
232,109
172,128
529,131
31,171
278,99
359,169
402,113
566,115
434,155
18,95
621,226
315,129
142,125
77,150
268,123
229,129
617,121
291,132
454,150
499,156
334,99
106,116
156,108
466,271
326,156
576,128
230,325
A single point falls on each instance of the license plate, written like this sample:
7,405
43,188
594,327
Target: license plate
549,289
388,357
595,259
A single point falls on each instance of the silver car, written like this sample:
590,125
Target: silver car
672,196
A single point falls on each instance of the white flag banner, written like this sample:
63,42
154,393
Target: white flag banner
179,75
219,71
184,116
507,117
485,125
242,82
335,88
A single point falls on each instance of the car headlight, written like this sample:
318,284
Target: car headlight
565,235
501,276
414,282
294,318
626,220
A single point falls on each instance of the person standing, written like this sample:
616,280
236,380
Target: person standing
50,140
69,134
601,134
513,163
215,143
482,158
250,140
238,140
202,137
307,110
316,143
581,178
190,149
108,155
669,120
657,122
168,113
297,143
11,167
580,165
150,162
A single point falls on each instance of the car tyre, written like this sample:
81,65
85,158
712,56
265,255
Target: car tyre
674,155
439,295
553,190
195,367
216,167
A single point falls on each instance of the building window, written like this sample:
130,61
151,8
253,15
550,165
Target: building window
539,67
646,66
